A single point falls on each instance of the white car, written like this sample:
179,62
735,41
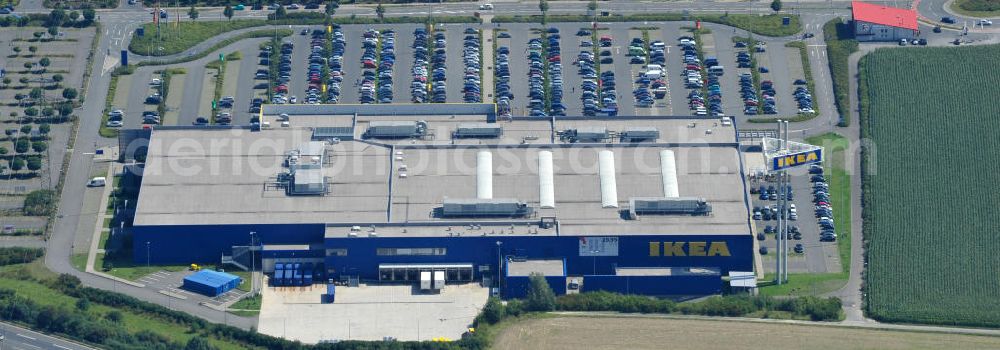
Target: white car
155,82
486,7
293,100
985,22
114,124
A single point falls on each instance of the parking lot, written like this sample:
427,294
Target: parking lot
615,68
811,248
169,284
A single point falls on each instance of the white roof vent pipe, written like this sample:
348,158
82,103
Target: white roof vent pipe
609,187
546,181
668,172
484,175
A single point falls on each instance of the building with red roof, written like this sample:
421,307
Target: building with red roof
880,23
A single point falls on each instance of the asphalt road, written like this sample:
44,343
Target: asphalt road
18,338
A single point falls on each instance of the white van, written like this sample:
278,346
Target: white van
486,7
654,74
99,181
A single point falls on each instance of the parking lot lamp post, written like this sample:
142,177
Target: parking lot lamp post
253,264
147,253
499,264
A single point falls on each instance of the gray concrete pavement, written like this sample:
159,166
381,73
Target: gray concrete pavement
16,337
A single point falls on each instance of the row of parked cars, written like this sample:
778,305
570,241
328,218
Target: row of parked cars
503,93
387,59
651,84
314,72
338,44
472,86
748,94
284,66
369,92
702,104
438,64
824,210
555,78
418,87
804,99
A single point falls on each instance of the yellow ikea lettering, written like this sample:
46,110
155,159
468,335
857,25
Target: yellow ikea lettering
795,159
696,248
673,249
717,248
654,248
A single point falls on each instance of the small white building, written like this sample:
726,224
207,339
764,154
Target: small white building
879,23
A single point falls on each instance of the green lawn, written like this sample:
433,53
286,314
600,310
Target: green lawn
174,38
802,284
769,25
976,8
247,307
122,266
132,322
79,261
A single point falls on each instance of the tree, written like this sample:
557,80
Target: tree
26,129
57,77
48,112
543,5
53,31
6,81
39,146
74,15
380,11
36,93
4,150
44,128
193,13
82,304
331,8
21,146
35,163
38,35
493,311
592,5
69,93
44,62
65,109
198,343
33,49
89,14
17,164
115,316
31,111
28,65
776,5
23,80
540,295
17,49
280,12
228,12
56,17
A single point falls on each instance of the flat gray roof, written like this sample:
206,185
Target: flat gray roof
552,267
394,187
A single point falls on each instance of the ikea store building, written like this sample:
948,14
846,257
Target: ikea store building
641,205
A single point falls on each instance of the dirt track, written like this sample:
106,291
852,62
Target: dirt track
650,333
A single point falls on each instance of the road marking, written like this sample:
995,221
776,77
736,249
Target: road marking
61,347
24,336
32,346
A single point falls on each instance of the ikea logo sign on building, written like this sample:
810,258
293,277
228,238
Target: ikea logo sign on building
717,248
797,159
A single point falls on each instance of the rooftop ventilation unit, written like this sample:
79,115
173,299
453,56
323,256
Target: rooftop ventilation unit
640,134
396,129
585,134
485,208
481,130
666,206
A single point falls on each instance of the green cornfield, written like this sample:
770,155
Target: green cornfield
932,191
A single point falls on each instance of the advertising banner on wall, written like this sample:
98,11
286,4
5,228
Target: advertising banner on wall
598,246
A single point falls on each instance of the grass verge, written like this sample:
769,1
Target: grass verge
840,44
802,284
247,307
263,33
976,8
767,25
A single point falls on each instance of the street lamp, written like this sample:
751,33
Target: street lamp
147,253
253,263
499,264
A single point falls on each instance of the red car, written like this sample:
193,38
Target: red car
281,88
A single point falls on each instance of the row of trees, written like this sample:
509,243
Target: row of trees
19,255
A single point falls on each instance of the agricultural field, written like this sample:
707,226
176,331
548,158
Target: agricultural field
930,216
660,333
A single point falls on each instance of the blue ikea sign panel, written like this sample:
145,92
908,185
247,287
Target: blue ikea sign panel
797,159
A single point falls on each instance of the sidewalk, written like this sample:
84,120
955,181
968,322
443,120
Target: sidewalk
95,242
